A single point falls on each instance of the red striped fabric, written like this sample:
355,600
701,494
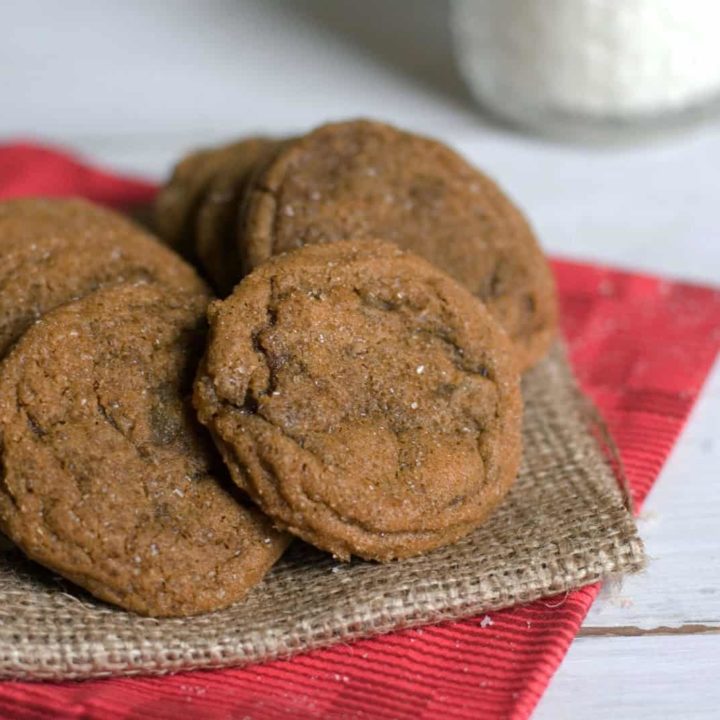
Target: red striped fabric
641,346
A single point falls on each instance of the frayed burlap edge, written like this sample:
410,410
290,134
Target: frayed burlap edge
565,524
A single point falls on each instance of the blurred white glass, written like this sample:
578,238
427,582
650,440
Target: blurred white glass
567,65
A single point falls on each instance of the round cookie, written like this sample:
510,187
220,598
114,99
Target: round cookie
361,179
216,222
56,250
107,478
365,400
179,199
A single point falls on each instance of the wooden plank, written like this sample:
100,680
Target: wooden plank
681,529
639,678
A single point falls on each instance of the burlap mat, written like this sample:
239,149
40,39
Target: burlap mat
565,524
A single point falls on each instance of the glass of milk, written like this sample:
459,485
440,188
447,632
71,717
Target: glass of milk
591,66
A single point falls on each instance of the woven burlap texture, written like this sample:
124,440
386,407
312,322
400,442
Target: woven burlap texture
564,524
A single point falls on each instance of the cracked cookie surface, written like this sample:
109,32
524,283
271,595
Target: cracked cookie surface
56,250
361,179
365,400
105,475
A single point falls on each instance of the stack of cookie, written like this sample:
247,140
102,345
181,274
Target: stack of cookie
231,208
359,385
106,476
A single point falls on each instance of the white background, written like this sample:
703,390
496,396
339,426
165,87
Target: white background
134,84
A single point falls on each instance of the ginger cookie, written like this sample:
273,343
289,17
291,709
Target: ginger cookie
181,198
56,250
364,400
217,221
106,476
360,179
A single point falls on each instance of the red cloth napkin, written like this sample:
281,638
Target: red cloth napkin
641,346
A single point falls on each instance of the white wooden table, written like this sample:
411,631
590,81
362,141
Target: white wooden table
134,84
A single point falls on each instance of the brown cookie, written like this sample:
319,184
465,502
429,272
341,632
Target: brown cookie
180,199
362,179
54,251
107,478
216,222
366,401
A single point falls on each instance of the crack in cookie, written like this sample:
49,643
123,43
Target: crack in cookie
364,400
105,475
